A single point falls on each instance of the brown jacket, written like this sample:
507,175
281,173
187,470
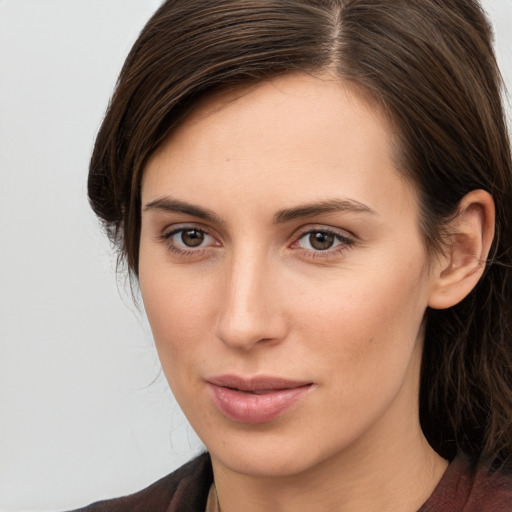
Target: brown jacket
463,488
185,490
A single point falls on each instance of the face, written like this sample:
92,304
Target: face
285,277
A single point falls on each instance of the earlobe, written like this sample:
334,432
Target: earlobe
463,262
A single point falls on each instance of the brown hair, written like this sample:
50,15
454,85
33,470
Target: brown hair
431,66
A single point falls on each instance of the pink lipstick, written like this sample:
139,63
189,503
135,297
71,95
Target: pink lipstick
255,400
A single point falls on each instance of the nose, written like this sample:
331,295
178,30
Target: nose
250,308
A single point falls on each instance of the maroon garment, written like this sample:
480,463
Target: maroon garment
463,488
468,488
185,490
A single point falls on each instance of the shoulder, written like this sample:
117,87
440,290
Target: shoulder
184,490
491,491
469,487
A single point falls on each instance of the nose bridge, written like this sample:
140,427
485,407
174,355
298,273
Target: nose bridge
249,312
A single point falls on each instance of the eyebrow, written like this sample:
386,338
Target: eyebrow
329,206
168,204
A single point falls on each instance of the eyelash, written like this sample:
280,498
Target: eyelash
344,242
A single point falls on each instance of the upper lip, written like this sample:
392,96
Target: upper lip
259,383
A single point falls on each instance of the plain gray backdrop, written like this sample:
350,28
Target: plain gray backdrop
84,411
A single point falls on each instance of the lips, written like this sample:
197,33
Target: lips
255,400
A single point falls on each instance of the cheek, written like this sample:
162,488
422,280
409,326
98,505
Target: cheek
178,308
364,323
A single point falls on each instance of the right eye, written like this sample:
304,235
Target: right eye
191,237
185,240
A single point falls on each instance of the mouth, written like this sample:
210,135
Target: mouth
255,400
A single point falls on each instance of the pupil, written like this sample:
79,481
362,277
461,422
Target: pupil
192,237
321,241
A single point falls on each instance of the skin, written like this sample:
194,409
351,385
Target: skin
256,298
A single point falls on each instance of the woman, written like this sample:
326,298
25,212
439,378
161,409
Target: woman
315,199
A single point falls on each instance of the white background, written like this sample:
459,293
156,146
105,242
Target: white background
84,410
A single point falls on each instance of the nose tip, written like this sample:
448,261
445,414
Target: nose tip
250,311
242,329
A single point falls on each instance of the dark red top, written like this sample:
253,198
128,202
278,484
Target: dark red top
468,488
463,488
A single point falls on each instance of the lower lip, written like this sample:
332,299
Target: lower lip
247,407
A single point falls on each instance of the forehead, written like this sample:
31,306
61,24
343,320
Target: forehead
308,101
293,137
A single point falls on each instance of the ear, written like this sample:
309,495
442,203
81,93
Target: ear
463,261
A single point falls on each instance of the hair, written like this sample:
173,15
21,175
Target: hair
430,65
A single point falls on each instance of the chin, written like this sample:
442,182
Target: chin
269,455
269,465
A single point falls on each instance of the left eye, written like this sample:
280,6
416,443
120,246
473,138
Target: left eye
321,240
